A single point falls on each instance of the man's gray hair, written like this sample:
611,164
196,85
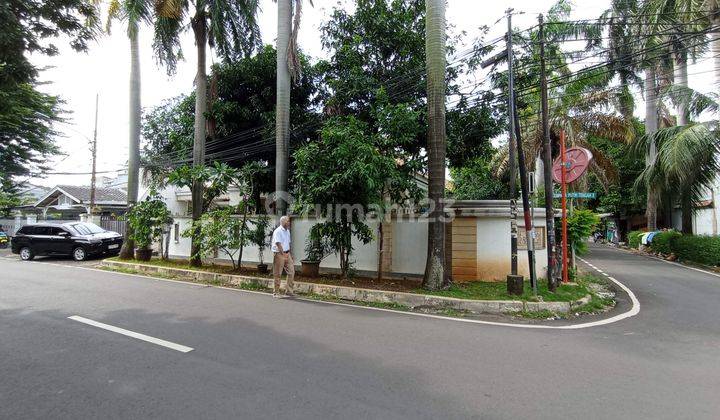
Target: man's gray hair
284,219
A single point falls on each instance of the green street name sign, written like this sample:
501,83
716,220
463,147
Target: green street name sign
576,195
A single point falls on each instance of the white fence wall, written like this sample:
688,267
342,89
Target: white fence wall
409,243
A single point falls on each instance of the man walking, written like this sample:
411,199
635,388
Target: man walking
282,257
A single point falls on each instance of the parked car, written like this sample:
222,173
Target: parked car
77,239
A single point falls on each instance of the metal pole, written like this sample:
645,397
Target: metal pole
94,158
547,165
511,147
563,187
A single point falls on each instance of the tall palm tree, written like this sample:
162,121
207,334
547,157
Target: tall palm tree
681,23
620,21
135,13
436,276
687,163
288,69
229,26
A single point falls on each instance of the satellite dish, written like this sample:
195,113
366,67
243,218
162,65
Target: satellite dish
577,160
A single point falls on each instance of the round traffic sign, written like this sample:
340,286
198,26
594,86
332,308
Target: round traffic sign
577,160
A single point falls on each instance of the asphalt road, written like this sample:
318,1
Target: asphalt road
256,357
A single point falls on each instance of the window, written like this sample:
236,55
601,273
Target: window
87,228
26,230
55,231
177,232
41,230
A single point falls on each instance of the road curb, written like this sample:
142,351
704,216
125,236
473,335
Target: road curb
411,300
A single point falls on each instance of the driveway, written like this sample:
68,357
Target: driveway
124,354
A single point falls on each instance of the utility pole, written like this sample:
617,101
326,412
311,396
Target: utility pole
529,229
511,149
94,158
547,165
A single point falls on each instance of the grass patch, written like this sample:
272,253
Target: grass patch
483,290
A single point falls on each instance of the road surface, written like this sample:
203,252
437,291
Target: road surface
256,357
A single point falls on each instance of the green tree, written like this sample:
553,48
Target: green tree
338,179
148,219
687,163
135,13
221,229
27,116
476,181
228,26
243,114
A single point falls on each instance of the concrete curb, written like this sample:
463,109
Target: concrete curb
412,300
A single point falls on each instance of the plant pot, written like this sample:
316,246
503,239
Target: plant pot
310,268
262,268
143,254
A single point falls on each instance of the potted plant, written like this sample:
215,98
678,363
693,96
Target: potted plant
315,251
260,239
147,219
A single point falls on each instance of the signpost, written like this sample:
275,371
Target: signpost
568,168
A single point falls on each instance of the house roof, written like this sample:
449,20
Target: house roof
81,195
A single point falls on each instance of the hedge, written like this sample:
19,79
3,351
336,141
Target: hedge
701,249
634,238
663,242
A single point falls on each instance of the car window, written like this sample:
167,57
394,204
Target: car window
55,231
41,230
80,229
87,228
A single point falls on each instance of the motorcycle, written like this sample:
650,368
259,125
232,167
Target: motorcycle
4,240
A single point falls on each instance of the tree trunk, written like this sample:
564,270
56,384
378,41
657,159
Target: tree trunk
651,124
127,251
680,75
626,99
687,214
380,250
715,46
200,30
282,106
435,275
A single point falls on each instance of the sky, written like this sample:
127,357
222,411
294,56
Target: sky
104,70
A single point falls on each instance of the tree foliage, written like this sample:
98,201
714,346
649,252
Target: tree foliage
148,219
339,178
27,136
476,181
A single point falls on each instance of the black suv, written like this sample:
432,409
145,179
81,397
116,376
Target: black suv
77,239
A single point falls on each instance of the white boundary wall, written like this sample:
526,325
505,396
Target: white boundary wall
409,247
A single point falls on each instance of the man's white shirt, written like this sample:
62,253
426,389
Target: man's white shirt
281,235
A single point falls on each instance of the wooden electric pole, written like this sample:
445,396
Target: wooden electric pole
547,165
511,149
94,158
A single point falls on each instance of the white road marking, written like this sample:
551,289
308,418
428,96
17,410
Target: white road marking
143,337
632,312
652,257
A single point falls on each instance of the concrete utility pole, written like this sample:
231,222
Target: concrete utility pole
547,165
511,149
94,158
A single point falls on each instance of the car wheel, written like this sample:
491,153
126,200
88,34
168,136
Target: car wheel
79,254
26,253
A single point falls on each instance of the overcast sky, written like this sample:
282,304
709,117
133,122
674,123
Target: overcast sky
77,77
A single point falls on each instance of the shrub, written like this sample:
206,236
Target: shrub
662,242
634,238
580,225
147,219
701,249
